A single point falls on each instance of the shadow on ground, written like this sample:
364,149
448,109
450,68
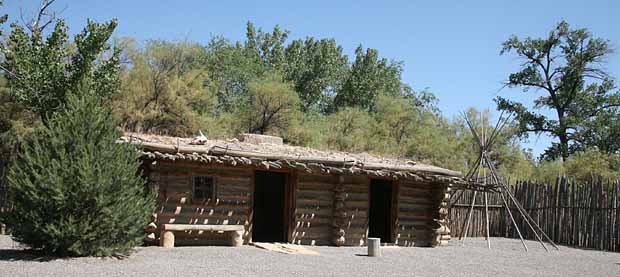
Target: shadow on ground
25,255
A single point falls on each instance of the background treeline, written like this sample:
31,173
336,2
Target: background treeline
307,91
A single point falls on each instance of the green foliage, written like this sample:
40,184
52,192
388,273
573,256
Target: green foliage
74,191
348,130
165,90
272,106
318,69
593,164
565,68
16,125
268,48
41,69
231,68
369,76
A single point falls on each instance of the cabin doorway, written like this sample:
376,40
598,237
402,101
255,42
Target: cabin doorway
271,207
380,212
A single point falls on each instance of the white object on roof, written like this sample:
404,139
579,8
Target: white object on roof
199,140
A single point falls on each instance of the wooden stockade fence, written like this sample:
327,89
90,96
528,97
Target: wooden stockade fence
572,214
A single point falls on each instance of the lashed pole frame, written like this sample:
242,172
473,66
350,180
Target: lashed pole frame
476,169
482,164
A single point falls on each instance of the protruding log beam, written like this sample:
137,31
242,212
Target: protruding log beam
167,239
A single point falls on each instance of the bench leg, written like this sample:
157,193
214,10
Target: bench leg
167,239
237,238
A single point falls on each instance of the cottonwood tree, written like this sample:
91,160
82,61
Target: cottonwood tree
564,69
234,65
266,47
318,69
41,67
369,76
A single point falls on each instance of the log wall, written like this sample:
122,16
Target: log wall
421,214
414,210
314,209
328,209
231,206
356,205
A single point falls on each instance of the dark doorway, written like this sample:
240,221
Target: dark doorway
380,215
269,223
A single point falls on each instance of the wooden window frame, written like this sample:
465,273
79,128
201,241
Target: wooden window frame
213,194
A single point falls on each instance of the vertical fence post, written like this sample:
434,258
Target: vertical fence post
580,215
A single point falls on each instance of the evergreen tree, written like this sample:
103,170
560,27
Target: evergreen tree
75,192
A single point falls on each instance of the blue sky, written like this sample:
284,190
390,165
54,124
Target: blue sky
450,47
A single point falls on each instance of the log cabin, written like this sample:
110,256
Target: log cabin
292,194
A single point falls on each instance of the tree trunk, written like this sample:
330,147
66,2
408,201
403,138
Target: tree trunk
563,136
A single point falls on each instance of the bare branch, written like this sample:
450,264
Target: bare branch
42,19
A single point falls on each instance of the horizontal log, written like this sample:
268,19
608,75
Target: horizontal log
412,224
203,220
356,204
361,188
416,213
228,191
314,204
319,232
320,179
413,168
415,194
306,213
406,184
405,243
361,213
301,226
314,220
315,195
401,239
165,168
245,196
218,204
356,196
421,218
180,210
356,179
416,200
314,187
199,227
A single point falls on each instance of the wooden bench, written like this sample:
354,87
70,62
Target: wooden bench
167,236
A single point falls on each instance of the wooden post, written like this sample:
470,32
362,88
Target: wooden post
486,215
374,247
237,238
167,239
513,220
471,211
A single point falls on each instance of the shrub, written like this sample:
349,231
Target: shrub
74,191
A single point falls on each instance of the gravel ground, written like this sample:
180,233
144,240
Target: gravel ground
474,259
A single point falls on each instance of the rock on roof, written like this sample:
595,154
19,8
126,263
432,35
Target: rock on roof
277,155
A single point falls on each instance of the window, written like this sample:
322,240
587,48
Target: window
204,188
